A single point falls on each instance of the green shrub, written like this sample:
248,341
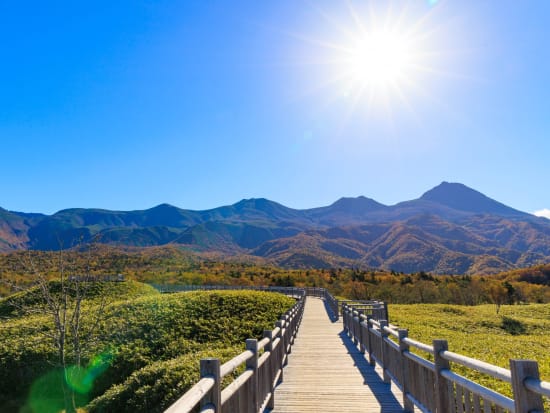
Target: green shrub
33,298
155,387
512,326
141,330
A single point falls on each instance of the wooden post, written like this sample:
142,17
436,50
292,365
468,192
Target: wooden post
349,314
385,361
350,321
282,348
404,347
252,364
372,362
525,400
363,334
211,367
355,326
272,368
287,334
442,396
293,324
345,318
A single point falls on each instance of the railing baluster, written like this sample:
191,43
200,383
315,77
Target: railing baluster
404,347
363,333
385,361
355,324
442,396
370,349
211,367
280,350
252,364
272,368
525,400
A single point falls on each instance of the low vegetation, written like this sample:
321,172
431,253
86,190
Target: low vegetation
518,331
144,355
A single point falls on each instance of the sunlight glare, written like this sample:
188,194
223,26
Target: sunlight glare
380,59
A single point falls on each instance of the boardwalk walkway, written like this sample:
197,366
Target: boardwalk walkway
327,373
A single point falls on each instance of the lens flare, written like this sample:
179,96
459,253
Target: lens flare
47,393
81,380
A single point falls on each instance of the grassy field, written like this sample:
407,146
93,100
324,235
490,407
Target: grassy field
517,331
144,355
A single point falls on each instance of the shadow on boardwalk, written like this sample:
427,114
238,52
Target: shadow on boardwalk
327,373
382,391
332,317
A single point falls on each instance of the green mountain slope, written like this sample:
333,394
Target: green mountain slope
450,228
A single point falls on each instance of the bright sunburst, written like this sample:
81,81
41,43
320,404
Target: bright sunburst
380,59
377,55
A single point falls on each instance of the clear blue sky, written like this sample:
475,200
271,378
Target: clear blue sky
128,104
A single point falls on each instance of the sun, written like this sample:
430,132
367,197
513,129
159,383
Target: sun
381,63
380,59
376,59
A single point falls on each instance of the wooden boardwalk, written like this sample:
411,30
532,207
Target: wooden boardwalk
327,373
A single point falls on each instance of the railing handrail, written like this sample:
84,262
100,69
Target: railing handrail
478,365
193,396
538,386
372,337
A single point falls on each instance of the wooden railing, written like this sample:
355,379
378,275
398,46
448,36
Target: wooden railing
253,389
295,292
332,303
431,386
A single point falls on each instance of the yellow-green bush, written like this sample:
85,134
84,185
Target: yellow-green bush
517,331
138,337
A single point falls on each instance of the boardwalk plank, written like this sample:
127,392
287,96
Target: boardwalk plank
327,373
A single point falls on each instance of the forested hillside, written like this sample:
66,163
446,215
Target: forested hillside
449,229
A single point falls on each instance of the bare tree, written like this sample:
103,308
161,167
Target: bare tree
61,287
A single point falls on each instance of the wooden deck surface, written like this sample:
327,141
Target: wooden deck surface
327,373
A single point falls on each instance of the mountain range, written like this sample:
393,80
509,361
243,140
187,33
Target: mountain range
449,229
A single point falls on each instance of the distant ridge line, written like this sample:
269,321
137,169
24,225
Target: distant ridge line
450,229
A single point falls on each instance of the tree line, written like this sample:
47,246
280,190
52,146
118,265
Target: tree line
171,265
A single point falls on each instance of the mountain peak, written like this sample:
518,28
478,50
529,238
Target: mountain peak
446,190
256,203
263,208
461,197
356,205
163,206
